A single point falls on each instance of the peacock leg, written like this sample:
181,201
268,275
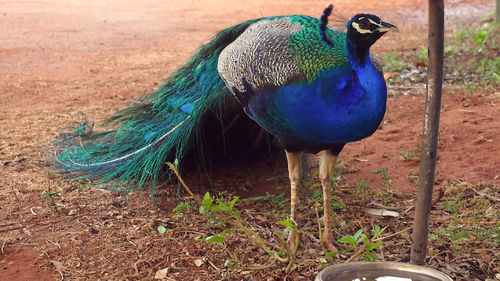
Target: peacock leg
295,175
326,171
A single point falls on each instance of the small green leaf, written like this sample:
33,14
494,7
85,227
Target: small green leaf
315,186
203,209
228,264
162,229
363,238
281,253
374,246
330,254
218,208
349,239
347,251
357,234
214,239
206,204
176,162
207,200
376,229
52,194
287,223
370,257
223,206
231,205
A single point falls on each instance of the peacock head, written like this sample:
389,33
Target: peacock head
365,29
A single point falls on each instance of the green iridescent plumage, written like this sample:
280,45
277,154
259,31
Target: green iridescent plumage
311,52
162,126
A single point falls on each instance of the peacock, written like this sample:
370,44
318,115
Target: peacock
294,80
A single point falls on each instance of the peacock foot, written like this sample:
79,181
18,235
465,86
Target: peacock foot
293,241
328,241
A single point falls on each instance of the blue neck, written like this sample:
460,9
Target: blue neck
369,78
358,57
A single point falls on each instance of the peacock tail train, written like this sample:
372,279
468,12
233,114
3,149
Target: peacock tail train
179,120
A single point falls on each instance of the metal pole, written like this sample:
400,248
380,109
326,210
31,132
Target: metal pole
430,132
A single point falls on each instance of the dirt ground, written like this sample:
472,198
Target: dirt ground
59,58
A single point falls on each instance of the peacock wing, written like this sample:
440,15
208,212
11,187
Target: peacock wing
260,57
377,64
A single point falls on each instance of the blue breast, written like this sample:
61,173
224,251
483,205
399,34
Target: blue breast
341,105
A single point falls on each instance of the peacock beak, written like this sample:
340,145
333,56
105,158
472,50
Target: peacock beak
386,27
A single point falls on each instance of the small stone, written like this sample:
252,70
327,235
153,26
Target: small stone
199,262
161,274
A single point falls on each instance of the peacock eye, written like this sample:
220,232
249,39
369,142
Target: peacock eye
364,23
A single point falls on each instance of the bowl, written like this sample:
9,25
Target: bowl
380,271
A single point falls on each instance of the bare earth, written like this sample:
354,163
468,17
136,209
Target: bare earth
59,58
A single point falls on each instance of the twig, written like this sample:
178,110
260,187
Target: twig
55,243
433,256
7,224
136,267
287,273
14,191
135,245
358,253
213,265
176,172
264,267
294,253
3,245
392,235
481,222
319,229
287,248
439,197
62,275
386,207
485,195
41,223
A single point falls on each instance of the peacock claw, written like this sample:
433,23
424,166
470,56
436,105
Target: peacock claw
292,241
326,241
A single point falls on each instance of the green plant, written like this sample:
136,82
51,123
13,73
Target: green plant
386,196
182,209
473,57
453,204
393,62
163,229
81,185
361,244
50,198
362,190
405,155
279,201
223,209
413,176
422,54
453,236
317,196
386,180
473,221
336,205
